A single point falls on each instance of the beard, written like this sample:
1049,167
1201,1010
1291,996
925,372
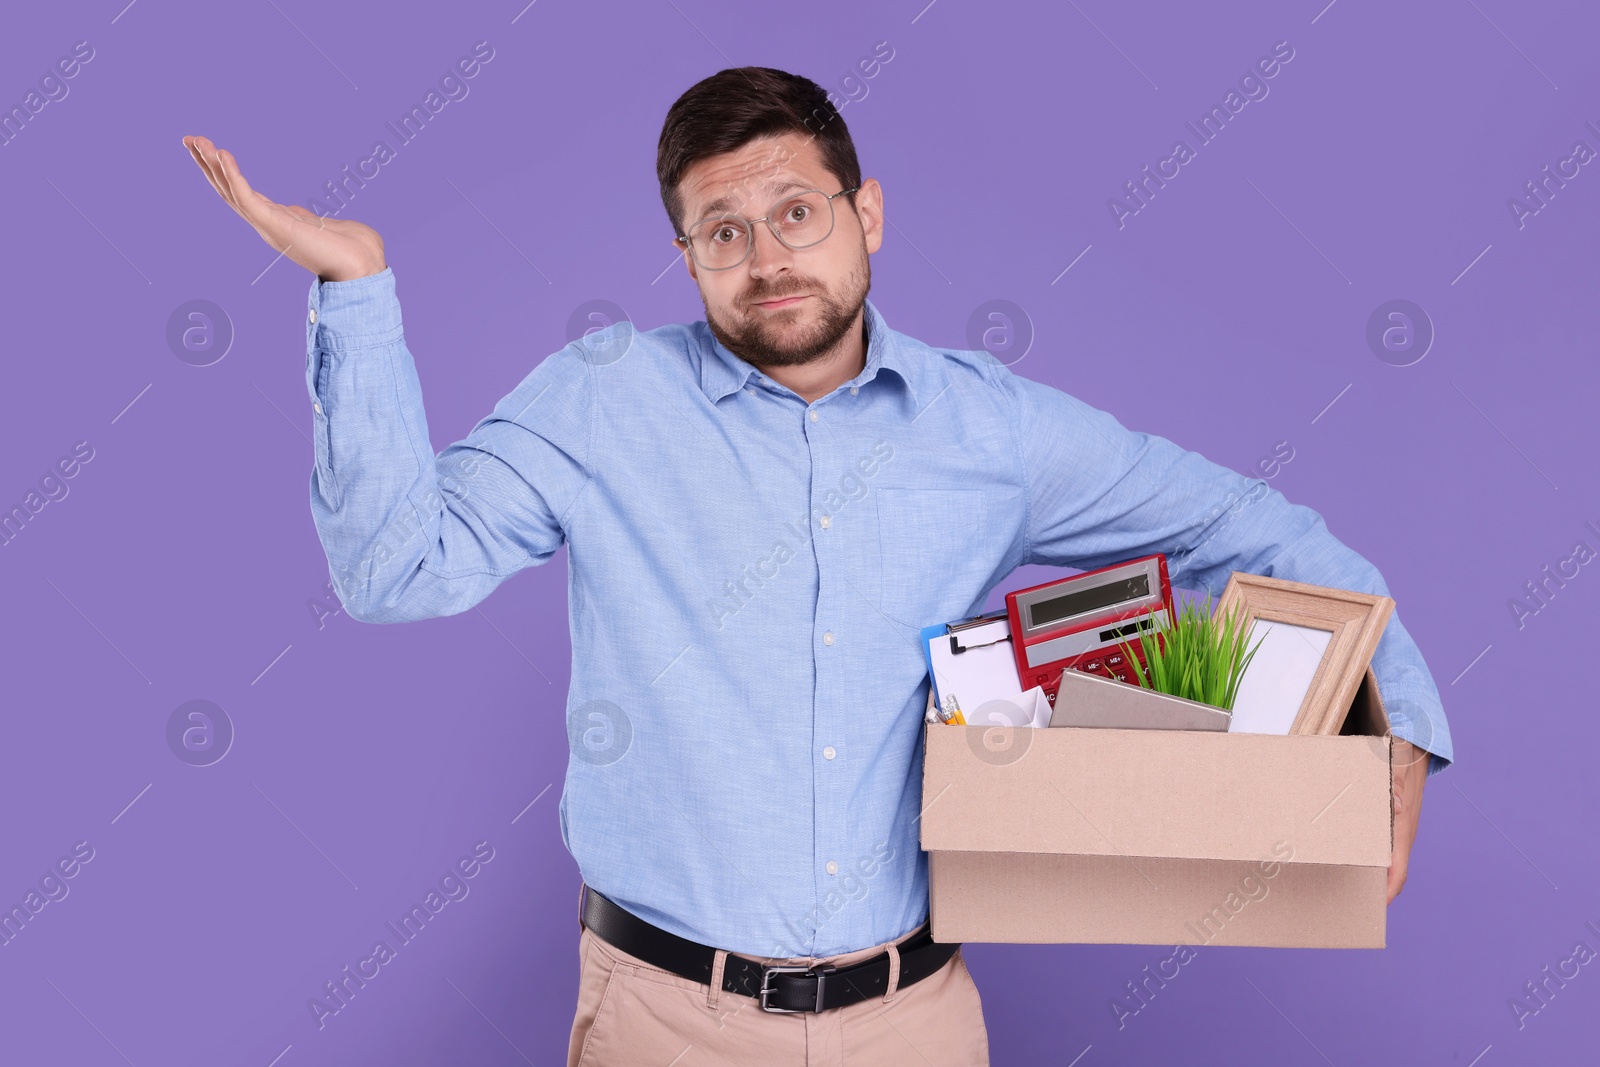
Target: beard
763,339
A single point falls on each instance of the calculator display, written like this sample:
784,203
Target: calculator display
1076,603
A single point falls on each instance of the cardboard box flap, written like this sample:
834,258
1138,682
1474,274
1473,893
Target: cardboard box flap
1163,793
1367,713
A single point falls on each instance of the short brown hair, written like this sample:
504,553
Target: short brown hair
736,106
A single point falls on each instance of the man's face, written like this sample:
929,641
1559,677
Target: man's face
782,306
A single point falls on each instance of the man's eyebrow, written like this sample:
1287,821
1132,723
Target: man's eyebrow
727,203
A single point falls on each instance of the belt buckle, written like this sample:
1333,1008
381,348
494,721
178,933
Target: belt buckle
770,972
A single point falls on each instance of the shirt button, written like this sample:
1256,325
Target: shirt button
827,637
854,389
825,521
313,315
750,390
813,416
833,866
829,753
317,407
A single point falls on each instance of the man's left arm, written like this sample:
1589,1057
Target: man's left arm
1099,493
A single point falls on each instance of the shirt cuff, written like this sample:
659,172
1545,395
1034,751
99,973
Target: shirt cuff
348,315
1410,719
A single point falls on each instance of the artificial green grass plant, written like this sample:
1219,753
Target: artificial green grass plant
1197,656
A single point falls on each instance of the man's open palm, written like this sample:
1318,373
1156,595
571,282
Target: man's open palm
335,250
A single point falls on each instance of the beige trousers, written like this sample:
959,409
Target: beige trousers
631,1014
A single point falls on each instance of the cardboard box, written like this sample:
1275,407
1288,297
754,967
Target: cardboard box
1160,837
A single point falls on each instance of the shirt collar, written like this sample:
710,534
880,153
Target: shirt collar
722,372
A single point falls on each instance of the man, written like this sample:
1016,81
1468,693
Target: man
761,510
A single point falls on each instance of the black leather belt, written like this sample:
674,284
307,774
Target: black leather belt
778,988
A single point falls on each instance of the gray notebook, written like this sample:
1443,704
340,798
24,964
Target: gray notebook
1093,701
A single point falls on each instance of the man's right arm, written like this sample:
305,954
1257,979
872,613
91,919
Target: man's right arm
410,534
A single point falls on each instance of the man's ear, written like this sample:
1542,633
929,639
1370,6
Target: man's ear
688,260
869,207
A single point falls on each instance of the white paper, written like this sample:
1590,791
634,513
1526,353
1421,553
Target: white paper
1279,676
978,674
1030,708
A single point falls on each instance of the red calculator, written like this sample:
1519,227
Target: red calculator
1080,621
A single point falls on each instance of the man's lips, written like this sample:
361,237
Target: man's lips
781,302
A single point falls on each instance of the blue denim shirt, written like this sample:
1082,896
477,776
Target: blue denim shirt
747,576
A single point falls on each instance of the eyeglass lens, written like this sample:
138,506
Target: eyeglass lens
800,221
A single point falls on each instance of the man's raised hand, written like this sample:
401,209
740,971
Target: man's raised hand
335,250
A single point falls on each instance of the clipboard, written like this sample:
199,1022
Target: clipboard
973,659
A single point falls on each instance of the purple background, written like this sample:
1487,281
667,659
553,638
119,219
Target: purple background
1228,315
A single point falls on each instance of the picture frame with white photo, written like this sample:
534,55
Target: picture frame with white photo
1315,645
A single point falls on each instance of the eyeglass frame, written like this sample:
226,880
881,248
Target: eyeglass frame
750,225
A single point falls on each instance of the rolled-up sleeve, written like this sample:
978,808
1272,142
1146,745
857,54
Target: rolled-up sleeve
1099,493
410,534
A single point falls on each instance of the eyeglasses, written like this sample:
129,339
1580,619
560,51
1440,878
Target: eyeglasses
800,220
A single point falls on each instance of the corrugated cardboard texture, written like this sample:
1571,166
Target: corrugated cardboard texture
1177,793
1116,900
1162,837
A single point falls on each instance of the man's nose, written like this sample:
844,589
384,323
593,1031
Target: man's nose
768,255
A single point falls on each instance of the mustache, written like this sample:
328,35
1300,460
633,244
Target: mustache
777,291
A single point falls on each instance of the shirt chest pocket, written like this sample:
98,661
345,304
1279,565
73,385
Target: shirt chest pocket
932,561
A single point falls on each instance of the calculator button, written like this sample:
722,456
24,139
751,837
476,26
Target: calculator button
1113,660
1093,665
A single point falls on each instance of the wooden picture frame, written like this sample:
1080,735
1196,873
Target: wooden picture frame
1354,622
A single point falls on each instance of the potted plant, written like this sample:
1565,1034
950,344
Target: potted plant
1198,656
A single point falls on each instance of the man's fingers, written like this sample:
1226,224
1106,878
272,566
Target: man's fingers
311,240
209,156
193,144
251,204
1397,876
213,164
273,221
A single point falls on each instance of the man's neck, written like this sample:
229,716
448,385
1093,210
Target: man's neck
823,375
